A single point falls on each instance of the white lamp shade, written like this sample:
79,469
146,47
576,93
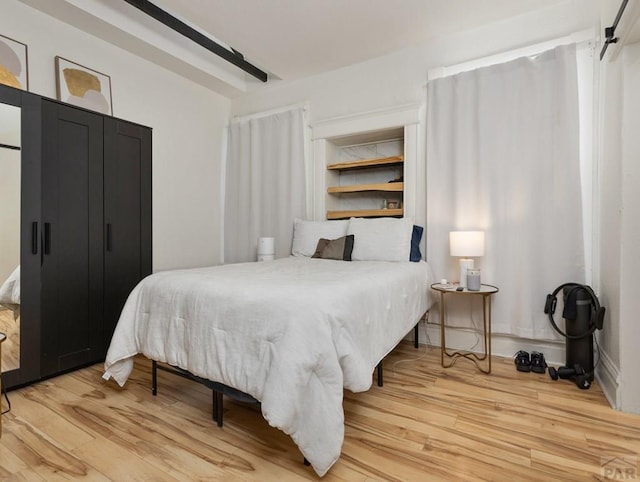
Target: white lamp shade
466,244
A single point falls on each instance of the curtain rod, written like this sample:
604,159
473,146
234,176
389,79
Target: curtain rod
609,32
232,56
580,38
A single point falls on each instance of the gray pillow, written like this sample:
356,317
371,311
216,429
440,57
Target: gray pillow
340,248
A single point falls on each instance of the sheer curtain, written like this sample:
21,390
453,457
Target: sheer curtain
265,183
503,157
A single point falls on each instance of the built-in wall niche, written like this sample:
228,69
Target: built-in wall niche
370,149
365,174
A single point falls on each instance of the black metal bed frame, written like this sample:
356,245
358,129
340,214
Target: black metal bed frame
220,389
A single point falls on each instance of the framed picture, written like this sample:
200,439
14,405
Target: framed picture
14,70
82,86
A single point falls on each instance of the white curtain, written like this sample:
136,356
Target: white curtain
503,157
265,183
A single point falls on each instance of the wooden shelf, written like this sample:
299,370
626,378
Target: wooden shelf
383,165
366,163
364,213
385,186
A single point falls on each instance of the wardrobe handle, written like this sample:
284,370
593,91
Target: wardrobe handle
108,236
47,238
34,237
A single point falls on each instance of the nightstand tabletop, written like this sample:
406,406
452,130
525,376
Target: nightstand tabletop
451,288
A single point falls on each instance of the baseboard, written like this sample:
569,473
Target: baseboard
608,376
501,345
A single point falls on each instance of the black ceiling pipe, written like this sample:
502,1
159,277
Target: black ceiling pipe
234,57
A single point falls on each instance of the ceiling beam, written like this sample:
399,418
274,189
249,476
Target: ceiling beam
182,28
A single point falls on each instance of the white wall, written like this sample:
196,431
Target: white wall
399,78
187,119
611,203
630,235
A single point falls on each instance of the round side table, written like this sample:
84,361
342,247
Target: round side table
485,291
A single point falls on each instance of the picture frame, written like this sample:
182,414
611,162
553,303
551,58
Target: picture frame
83,86
14,63
392,204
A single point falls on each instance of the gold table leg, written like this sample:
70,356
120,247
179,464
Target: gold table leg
474,357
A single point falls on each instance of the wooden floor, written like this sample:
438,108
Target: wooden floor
426,423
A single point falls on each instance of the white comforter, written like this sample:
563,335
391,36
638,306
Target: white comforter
291,333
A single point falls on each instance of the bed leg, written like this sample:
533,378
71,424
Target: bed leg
415,335
306,462
214,404
154,377
217,407
380,373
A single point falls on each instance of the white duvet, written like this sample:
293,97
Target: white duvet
292,333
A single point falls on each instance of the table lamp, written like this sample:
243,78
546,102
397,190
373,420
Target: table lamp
466,245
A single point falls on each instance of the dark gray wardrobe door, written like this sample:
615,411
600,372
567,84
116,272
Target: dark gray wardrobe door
72,217
127,211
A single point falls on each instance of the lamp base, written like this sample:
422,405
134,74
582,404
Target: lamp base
465,264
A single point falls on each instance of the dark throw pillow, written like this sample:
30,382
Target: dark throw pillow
416,237
340,248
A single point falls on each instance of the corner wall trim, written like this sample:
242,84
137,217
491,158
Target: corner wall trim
182,28
608,376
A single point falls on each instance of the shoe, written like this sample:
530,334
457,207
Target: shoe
522,361
538,364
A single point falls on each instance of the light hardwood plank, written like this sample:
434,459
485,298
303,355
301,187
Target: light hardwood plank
45,456
425,423
115,462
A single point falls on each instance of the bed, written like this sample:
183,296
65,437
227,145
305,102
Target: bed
291,333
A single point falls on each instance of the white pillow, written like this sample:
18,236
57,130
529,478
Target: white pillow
306,234
381,239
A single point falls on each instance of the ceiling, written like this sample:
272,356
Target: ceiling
292,39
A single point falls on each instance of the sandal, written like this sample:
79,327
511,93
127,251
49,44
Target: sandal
522,361
538,364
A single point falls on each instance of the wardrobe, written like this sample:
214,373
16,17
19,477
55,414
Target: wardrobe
85,231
